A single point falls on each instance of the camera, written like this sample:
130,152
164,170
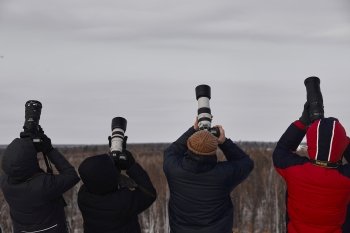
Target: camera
32,128
32,116
203,95
117,138
314,98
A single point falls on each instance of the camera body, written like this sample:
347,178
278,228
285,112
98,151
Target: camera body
117,139
314,98
203,96
31,126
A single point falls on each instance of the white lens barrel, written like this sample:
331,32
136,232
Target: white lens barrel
117,140
203,102
204,114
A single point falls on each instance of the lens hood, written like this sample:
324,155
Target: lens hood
119,122
203,91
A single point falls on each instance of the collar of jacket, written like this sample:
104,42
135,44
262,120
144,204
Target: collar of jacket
198,163
326,164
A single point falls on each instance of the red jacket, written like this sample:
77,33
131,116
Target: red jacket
317,197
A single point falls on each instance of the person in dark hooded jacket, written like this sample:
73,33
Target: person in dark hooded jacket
109,201
318,186
200,186
34,196
346,225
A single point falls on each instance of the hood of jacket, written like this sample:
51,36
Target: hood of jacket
99,174
326,140
20,161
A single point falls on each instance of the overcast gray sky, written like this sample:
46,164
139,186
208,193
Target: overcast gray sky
89,61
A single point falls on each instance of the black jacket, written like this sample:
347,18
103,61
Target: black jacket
115,211
200,187
346,226
36,203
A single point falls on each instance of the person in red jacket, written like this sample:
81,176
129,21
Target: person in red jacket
318,186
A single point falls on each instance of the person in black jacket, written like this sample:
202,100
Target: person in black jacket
109,201
346,226
200,186
34,196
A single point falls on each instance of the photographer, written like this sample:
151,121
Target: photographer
34,196
318,186
200,186
108,200
346,226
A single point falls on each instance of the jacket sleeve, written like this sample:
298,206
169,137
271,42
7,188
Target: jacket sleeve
177,149
346,226
56,185
240,163
347,153
284,154
144,195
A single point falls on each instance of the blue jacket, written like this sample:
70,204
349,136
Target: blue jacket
200,186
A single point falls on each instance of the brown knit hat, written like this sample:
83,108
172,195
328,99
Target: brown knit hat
202,143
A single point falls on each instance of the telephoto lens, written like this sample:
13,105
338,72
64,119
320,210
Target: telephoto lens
203,95
314,98
117,138
204,113
32,114
32,117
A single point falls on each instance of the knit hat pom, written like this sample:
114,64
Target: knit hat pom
202,143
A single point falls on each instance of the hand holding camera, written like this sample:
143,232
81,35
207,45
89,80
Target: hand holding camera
44,145
222,137
124,160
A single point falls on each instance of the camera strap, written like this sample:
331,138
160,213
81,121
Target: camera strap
48,165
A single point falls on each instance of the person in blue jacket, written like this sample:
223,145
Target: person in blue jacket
200,186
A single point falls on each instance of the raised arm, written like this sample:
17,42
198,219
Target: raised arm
145,193
179,147
347,153
239,163
56,185
285,154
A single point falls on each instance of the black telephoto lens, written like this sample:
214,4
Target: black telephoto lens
314,98
117,138
32,115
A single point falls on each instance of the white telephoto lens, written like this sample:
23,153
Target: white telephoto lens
117,140
203,102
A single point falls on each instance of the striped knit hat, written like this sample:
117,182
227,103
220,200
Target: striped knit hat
326,140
